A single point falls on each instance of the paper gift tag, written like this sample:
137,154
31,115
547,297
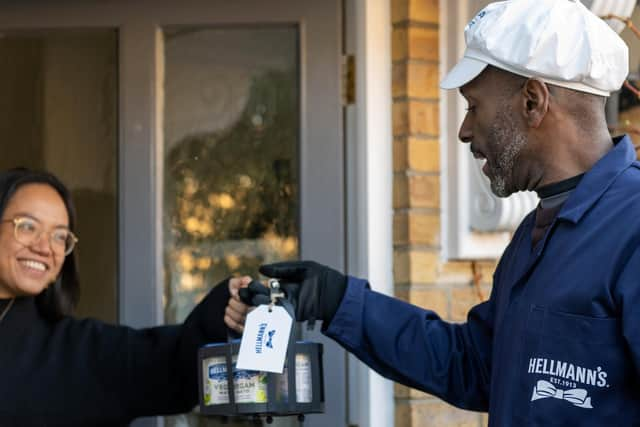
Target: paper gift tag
265,339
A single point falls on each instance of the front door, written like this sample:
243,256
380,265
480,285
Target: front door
214,126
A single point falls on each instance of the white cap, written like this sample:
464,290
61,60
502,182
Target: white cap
558,41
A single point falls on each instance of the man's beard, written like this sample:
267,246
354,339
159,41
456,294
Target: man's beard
507,141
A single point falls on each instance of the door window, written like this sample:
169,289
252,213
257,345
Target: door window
231,132
58,112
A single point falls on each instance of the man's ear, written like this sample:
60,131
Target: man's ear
536,101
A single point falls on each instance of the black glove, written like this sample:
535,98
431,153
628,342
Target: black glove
255,294
315,290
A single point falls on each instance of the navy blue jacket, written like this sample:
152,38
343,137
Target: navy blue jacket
558,341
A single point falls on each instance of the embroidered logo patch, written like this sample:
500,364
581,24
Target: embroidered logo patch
476,18
576,396
565,374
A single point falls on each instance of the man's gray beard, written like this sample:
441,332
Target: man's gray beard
504,130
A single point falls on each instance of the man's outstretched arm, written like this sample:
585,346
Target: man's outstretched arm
400,341
414,347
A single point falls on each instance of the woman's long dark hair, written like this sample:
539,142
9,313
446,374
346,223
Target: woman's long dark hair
61,297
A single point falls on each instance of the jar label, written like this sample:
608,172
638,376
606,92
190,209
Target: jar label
249,386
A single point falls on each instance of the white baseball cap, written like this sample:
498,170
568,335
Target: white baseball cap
558,41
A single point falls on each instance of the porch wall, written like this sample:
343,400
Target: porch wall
421,276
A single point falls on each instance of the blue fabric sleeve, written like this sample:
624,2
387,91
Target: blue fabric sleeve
415,347
627,296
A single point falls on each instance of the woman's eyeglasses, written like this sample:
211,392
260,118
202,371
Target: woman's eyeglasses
28,232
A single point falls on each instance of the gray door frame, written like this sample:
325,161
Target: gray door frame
322,211
369,178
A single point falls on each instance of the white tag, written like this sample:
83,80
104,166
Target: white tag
265,339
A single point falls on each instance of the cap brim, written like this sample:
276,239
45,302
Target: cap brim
465,70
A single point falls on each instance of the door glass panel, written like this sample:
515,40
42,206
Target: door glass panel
58,112
231,139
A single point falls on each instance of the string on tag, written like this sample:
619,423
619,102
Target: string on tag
275,293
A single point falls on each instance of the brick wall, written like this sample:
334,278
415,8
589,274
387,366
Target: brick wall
421,276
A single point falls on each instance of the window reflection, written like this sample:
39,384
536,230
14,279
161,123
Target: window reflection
231,156
231,129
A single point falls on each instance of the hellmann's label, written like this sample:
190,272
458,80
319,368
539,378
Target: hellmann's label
249,386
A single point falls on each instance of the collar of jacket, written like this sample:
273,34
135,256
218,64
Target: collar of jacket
598,179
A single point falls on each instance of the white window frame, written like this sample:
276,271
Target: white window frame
369,180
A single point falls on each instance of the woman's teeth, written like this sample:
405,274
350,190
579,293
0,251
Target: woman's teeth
34,265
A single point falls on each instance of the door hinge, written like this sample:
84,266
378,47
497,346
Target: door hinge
348,79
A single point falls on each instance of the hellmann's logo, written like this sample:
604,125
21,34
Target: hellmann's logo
260,337
476,19
569,371
565,374
269,341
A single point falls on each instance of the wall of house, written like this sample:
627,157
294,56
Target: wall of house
422,276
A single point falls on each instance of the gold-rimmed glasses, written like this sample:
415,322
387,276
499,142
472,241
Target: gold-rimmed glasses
28,231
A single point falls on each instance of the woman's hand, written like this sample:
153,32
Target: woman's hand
236,312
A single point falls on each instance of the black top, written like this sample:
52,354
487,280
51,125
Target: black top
556,188
88,373
552,198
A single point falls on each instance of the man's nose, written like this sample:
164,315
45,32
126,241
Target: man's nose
465,134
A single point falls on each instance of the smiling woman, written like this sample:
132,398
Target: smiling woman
35,257
110,374
36,266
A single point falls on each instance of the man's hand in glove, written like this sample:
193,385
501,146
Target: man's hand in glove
315,290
